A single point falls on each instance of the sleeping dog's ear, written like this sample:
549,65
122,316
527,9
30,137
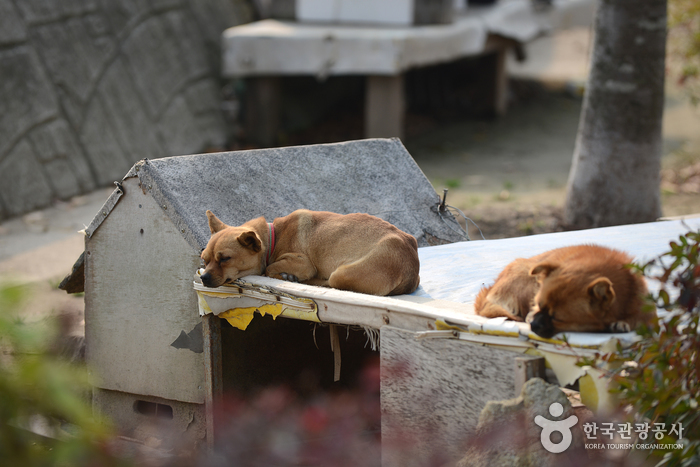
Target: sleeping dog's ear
215,225
542,270
601,291
250,240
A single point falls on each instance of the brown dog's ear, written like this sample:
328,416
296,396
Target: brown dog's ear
601,290
215,224
543,270
250,241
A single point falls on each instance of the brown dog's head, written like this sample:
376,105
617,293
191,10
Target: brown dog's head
232,252
570,300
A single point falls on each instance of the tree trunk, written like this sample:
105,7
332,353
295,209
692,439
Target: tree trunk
614,177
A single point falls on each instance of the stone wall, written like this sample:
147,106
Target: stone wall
88,87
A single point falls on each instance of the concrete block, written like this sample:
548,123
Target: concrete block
133,126
44,141
109,160
25,94
73,108
120,13
35,11
24,186
64,142
64,164
185,36
178,132
166,4
77,7
12,29
75,72
61,178
96,77
97,24
154,58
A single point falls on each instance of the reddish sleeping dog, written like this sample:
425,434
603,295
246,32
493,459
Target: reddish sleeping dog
577,288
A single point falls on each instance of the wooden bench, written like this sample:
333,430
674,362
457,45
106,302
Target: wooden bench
265,51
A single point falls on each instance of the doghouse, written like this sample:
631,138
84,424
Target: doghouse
156,364
143,331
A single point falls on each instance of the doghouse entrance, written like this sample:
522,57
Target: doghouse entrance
280,401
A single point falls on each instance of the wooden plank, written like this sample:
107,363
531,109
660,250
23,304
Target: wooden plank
432,392
213,374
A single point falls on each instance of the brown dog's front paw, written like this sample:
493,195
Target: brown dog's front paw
620,326
289,277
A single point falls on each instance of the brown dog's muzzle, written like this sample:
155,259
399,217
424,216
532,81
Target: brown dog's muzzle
207,280
542,325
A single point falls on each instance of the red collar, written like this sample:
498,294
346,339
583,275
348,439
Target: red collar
271,249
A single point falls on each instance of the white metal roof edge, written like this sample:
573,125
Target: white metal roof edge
352,308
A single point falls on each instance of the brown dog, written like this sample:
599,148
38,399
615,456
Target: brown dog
357,252
577,288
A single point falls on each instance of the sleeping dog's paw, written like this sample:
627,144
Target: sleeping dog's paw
620,326
289,277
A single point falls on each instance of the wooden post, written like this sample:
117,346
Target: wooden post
263,109
527,368
384,107
496,49
500,83
213,374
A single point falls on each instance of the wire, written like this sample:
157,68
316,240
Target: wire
459,230
468,219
